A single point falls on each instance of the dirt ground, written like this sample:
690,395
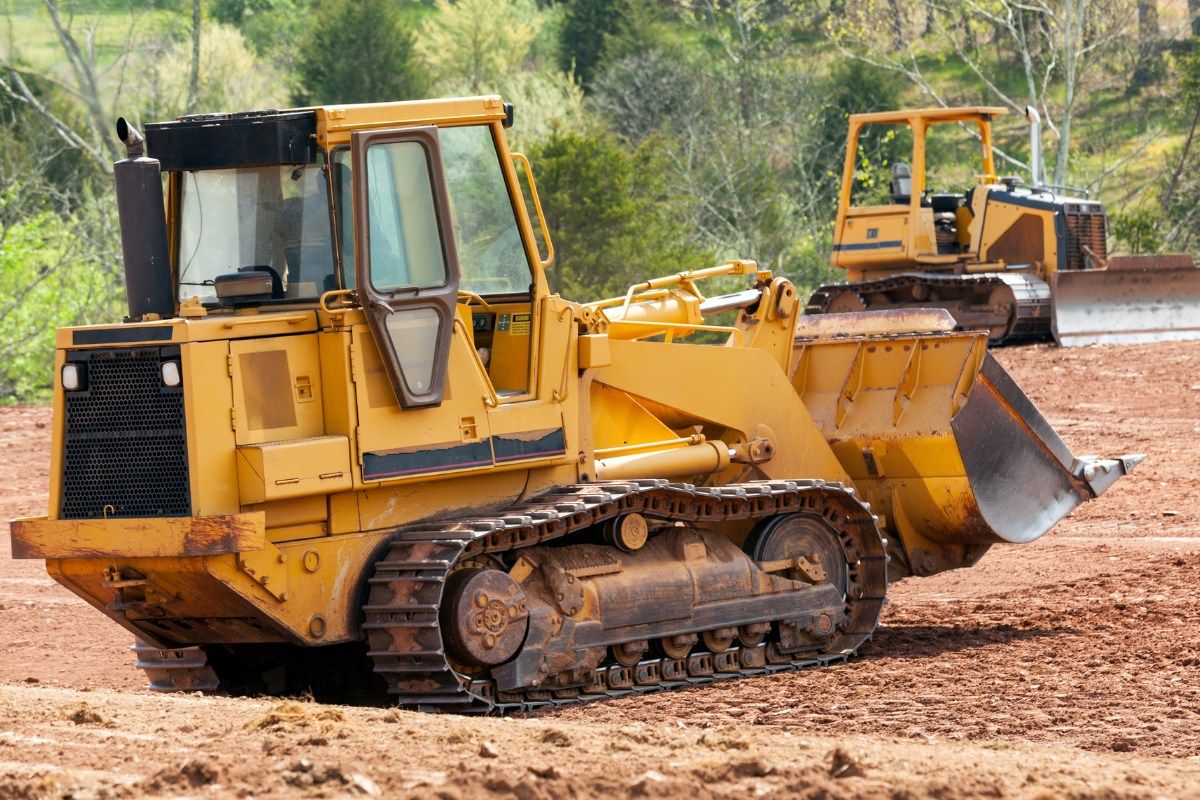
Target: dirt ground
1069,667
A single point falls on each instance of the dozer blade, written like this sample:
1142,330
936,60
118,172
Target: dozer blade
1135,299
939,439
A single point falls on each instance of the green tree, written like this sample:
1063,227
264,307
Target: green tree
474,45
613,213
272,26
583,37
357,51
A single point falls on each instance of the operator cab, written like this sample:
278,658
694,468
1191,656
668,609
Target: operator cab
922,211
423,225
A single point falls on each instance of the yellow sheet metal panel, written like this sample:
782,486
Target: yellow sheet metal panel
208,405
209,328
335,123
293,468
620,421
41,537
873,236
594,351
276,388
511,346
680,378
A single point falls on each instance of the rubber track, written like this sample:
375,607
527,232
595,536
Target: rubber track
406,590
1030,324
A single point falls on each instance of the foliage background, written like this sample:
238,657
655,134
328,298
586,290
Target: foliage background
664,133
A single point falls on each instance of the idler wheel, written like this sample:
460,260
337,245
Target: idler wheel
1003,302
801,535
485,616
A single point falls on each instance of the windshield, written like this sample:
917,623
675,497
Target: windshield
264,217
491,255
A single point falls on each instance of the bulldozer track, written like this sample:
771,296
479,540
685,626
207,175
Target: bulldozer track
1030,323
406,638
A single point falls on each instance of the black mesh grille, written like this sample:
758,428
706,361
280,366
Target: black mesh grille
125,452
1086,229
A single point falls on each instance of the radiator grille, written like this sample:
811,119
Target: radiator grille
1085,228
125,448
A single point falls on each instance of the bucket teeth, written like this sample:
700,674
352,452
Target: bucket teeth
1101,473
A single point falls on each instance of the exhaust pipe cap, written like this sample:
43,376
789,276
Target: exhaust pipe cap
135,143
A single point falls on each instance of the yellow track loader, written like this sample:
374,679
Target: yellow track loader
1022,262
348,442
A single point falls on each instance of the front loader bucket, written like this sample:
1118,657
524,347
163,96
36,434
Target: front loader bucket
941,441
1135,299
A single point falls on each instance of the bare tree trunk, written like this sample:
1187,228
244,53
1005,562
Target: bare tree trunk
1169,194
1194,14
897,25
1073,23
1149,46
1148,28
89,87
193,96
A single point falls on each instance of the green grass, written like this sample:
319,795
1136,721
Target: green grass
105,30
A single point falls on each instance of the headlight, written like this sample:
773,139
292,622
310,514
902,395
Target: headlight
170,373
72,377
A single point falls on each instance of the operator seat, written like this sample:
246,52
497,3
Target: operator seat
901,186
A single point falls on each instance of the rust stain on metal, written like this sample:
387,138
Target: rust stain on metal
42,537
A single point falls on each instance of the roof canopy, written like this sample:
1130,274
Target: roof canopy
904,116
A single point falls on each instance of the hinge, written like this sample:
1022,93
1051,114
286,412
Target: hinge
358,443
354,362
229,364
233,419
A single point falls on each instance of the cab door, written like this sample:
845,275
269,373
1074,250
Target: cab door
421,402
406,267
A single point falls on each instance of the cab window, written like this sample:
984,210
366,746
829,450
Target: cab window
406,249
490,251
491,254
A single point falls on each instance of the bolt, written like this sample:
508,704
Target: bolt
489,641
481,600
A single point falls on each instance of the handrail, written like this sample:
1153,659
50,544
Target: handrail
686,279
332,295
544,263
564,386
492,399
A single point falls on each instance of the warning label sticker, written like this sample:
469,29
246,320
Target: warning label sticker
521,324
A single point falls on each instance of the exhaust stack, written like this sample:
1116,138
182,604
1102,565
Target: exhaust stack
143,217
1035,145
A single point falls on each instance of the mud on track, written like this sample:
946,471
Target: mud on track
1065,668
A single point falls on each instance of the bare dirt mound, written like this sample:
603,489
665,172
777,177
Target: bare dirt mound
1065,668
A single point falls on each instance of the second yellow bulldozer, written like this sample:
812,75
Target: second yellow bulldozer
1023,262
347,441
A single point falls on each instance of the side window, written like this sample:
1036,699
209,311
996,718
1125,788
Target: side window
489,242
343,195
882,168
